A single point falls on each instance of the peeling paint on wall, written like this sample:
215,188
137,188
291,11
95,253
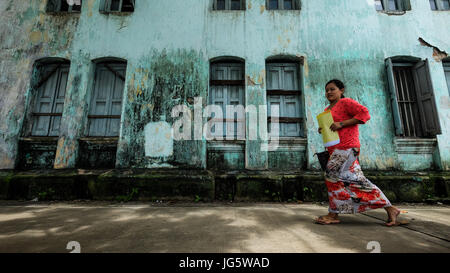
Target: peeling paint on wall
168,64
438,55
158,139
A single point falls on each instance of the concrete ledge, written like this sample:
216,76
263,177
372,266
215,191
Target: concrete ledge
119,185
205,185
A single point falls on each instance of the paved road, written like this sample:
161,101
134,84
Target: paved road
211,228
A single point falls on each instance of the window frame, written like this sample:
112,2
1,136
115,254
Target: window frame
57,8
427,118
47,71
402,6
105,6
228,6
439,5
228,83
446,66
108,65
296,5
283,93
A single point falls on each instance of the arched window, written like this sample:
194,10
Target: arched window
117,6
39,137
283,4
228,4
63,6
440,4
412,97
50,84
284,91
446,64
106,105
392,5
227,85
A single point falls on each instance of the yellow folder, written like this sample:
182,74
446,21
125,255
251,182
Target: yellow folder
329,137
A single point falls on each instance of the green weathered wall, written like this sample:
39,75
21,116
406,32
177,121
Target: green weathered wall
168,45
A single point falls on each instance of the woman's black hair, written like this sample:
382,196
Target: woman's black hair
338,83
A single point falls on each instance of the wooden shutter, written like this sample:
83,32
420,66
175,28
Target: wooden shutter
44,102
406,5
291,110
104,5
274,74
447,76
223,95
235,94
274,77
107,99
111,5
220,4
219,94
115,104
285,77
115,5
291,103
104,78
425,99
53,5
290,77
442,5
394,101
219,98
58,102
128,6
50,100
291,2
270,4
278,101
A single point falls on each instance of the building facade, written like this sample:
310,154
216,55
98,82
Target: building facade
108,83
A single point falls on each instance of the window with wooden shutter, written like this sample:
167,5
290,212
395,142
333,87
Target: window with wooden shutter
283,91
108,6
106,106
412,99
392,5
447,75
425,99
283,4
228,4
63,6
440,4
227,88
49,103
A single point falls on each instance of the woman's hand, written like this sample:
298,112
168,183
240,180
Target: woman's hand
320,130
336,126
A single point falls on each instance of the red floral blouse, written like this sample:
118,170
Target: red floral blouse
344,109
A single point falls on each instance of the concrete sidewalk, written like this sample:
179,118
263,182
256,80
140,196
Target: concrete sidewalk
214,227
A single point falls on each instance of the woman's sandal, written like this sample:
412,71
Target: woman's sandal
326,220
398,223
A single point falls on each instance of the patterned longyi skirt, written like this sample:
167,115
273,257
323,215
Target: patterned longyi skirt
349,191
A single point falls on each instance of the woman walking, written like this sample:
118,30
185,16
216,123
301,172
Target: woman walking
349,191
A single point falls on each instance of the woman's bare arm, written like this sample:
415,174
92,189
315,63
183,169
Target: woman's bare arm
349,122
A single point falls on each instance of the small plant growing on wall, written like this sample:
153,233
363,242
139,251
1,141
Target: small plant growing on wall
130,196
